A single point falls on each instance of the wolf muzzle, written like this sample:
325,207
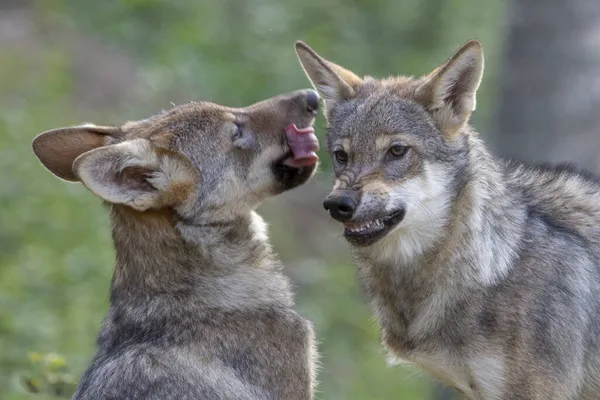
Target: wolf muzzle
342,204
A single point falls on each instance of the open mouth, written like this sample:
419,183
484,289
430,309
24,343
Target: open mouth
303,145
366,233
291,176
298,164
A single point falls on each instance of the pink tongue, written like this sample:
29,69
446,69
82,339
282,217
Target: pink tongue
304,145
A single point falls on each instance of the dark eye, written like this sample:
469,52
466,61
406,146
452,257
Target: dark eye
340,156
398,151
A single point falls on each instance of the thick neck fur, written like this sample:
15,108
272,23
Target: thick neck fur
413,276
224,266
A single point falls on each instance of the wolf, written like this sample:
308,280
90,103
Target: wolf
199,307
481,271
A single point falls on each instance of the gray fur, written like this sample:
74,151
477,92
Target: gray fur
199,307
490,282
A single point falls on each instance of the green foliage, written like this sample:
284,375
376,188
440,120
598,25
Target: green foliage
49,376
68,61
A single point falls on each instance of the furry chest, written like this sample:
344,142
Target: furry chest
441,367
439,363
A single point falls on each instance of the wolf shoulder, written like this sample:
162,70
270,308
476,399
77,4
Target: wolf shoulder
560,200
222,365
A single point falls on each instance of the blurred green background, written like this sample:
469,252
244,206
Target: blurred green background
65,62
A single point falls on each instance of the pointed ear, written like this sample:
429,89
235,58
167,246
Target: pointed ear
449,91
58,148
333,82
138,174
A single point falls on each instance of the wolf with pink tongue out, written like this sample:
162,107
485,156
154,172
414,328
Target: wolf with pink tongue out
304,145
199,306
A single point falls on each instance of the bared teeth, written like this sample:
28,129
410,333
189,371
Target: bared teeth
359,227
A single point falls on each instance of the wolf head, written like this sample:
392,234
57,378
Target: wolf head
198,159
398,144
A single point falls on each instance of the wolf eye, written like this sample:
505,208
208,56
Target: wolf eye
398,151
340,156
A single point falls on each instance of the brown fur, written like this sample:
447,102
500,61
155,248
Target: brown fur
199,307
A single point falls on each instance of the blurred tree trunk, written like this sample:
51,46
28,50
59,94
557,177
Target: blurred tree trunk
549,106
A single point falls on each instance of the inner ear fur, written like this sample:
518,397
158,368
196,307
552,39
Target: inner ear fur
138,174
333,82
449,91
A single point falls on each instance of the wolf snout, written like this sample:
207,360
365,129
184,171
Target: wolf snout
304,101
341,205
312,101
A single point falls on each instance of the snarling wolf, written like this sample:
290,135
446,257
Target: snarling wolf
484,272
199,308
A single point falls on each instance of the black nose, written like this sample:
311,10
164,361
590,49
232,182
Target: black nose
341,205
312,101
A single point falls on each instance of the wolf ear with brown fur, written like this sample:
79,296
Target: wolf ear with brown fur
449,92
334,83
134,172
137,174
58,148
